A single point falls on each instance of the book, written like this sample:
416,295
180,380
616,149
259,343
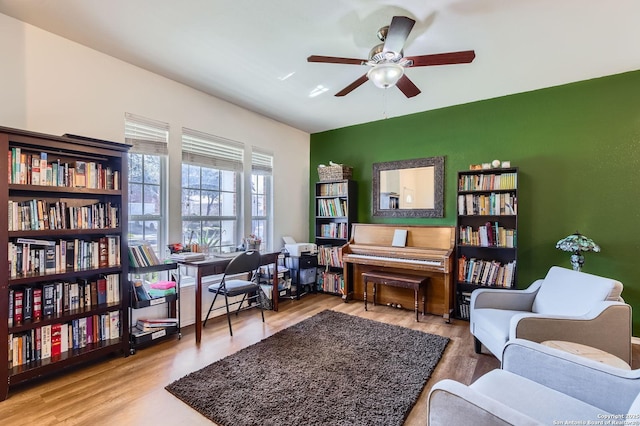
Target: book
50,259
37,304
64,338
56,339
114,324
102,290
80,174
70,255
11,310
48,299
187,257
150,324
27,307
103,252
46,341
399,238
140,292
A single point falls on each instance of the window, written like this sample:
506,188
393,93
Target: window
211,193
147,169
261,196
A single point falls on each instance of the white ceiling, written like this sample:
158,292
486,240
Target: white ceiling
242,50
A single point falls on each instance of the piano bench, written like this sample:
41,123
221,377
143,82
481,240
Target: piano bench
395,279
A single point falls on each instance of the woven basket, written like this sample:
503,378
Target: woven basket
340,172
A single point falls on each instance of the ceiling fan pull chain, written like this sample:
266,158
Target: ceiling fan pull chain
384,105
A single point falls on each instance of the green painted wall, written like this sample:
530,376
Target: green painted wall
578,150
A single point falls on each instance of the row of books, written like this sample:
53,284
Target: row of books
330,256
486,272
334,230
464,301
32,168
331,282
53,340
499,204
35,256
35,215
142,254
335,188
488,182
333,207
488,235
33,303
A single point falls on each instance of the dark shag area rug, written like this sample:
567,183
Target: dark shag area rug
330,369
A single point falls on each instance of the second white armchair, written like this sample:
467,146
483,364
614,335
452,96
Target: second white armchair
565,305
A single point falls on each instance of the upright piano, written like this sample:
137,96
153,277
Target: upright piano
428,252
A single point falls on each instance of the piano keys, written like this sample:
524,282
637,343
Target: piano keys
428,252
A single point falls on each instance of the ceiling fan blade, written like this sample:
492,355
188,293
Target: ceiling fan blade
334,60
352,86
407,87
397,34
463,57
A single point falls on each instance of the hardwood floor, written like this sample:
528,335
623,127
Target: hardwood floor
130,391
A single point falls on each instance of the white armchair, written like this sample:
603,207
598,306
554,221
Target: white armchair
565,305
539,385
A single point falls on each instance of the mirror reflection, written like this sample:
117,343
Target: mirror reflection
409,188
399,189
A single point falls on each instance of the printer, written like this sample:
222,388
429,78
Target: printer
297,249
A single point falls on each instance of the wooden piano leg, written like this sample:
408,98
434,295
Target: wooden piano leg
365,294
448,298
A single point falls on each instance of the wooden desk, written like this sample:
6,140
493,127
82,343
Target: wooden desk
393,279
217,266
588,352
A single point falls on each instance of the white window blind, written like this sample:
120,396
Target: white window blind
261,162
208,150
146,136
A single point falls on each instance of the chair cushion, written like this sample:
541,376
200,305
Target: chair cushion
235,287
571,293
539,402
491,327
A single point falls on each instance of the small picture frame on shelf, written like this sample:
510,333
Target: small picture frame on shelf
475,167
506,164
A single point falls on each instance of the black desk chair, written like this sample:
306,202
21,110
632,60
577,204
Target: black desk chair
246,262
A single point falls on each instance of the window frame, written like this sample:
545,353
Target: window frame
148,138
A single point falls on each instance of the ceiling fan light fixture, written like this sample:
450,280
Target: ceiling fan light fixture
385,75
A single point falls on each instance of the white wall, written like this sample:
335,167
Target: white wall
51,85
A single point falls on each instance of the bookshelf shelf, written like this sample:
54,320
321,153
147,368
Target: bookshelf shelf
336,210
57,190
65,288
33,369
486,233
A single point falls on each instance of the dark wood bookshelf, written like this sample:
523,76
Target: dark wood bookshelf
505,217
344,192
110,160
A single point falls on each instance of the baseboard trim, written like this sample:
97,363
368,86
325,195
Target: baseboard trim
635,340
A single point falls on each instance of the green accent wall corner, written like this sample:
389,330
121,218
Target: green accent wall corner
577,147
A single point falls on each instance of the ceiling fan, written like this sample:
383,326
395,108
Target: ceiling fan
387,60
